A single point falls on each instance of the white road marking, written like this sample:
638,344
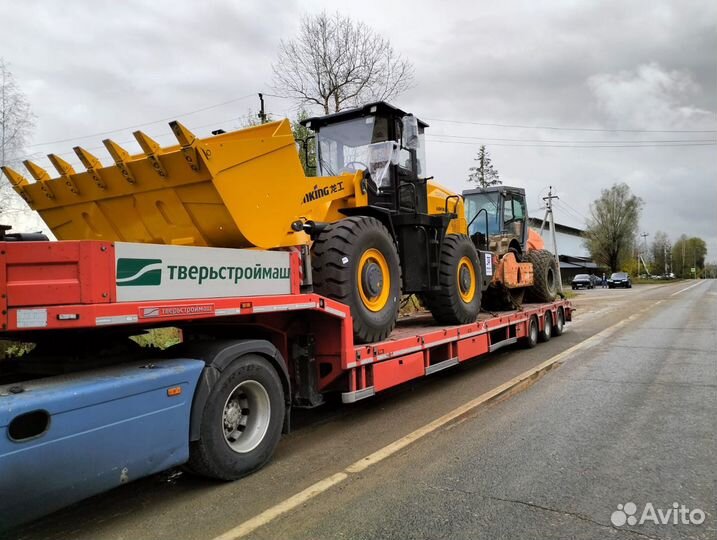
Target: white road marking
687,288
268,515
289,504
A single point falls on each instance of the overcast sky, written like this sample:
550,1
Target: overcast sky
98,66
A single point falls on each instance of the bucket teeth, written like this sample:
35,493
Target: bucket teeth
92,164
186,139
37,172
18,182
120,157
88,160
41,176
184,136
16,179
65,170
151,149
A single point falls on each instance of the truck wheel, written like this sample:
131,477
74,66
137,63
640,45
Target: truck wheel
559,323
547,332
459,276
355,262
545,276
241,422
531,340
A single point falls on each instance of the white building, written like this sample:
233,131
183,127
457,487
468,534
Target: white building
572,253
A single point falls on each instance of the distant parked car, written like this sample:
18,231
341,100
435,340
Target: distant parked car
582,281
619,279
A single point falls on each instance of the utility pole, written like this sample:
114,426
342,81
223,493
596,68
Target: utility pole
647,272
262,114
551,221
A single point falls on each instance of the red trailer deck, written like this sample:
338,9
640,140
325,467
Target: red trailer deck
60,288
216,402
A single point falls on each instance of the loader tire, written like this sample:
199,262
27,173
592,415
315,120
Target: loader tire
459,276
354,261
545,276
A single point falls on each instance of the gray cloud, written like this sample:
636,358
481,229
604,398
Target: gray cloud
97,66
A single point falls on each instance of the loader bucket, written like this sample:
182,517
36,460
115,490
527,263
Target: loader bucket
238,189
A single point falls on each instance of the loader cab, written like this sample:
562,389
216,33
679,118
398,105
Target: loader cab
385,142
497,218
388,145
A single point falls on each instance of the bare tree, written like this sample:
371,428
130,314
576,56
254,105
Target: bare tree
612,226
336,62
16,122
484,174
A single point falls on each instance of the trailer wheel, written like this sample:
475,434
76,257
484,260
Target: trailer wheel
241,422
355,262
531,340
559,323
545,276
459,298
547,332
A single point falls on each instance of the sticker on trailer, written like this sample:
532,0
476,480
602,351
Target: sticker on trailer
488,264
177,311
161,272
31,318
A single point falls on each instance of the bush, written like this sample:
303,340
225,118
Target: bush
160,338
14,349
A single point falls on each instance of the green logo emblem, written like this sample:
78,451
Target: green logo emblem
139,272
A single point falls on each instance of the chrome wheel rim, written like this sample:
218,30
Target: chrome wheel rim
246,416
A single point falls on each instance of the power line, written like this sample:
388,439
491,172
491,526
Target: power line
474,137
570,213
580,145
577,212
173,117
36,157
563,128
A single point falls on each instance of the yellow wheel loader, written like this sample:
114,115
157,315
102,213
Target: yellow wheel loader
375,225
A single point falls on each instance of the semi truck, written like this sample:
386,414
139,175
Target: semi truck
282,289
88,409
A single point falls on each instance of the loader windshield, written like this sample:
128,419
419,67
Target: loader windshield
344,146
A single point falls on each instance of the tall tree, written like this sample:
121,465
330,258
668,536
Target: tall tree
659,250
335,63
688,253
484,174
16,122
612,226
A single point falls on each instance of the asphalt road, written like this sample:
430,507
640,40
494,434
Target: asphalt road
631,418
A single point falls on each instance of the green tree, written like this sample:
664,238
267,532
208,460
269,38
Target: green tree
484,174
252,118
306,143
612,226
688,253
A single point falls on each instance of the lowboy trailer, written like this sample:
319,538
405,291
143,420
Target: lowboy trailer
87,409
